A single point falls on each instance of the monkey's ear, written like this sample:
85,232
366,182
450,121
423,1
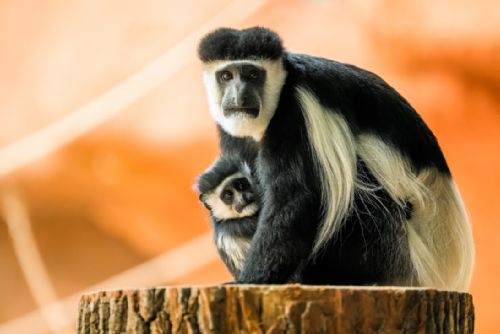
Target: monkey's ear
203,200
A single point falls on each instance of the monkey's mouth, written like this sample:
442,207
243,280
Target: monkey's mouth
252,112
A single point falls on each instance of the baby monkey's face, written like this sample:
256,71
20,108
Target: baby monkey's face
237,194
233,198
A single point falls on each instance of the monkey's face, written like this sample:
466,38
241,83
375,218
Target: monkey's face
233,198
243,95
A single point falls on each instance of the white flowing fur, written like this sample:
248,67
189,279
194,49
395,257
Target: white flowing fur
241,125
439,235
333,143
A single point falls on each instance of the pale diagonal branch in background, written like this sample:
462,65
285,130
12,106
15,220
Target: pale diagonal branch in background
49,139
30,260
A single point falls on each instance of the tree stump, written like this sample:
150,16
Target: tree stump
276,309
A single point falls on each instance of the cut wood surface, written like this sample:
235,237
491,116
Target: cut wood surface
276,309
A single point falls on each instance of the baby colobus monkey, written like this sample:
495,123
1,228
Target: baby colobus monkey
355,188
229,192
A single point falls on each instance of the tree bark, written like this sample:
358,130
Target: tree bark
276,309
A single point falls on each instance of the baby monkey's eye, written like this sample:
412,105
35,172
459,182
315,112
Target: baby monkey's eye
227,196
241,184
225,75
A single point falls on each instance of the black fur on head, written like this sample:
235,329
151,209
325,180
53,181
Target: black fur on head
222,168
231,44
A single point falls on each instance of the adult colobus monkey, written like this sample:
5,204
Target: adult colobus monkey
228,191
352,179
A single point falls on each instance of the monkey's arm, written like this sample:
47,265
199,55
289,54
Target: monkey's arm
286,227
282,242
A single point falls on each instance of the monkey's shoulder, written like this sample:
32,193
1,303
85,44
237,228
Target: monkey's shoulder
346,79
363,97
368,103
318,68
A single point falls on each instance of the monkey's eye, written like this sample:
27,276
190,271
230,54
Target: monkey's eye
254,75
225,75
238,185
227,196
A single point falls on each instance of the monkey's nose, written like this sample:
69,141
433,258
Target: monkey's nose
240,206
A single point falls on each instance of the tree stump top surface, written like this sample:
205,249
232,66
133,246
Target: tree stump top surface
276,309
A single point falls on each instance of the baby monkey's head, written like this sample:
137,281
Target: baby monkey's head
226,189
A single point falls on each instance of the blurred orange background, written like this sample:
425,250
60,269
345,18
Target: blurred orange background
104,128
